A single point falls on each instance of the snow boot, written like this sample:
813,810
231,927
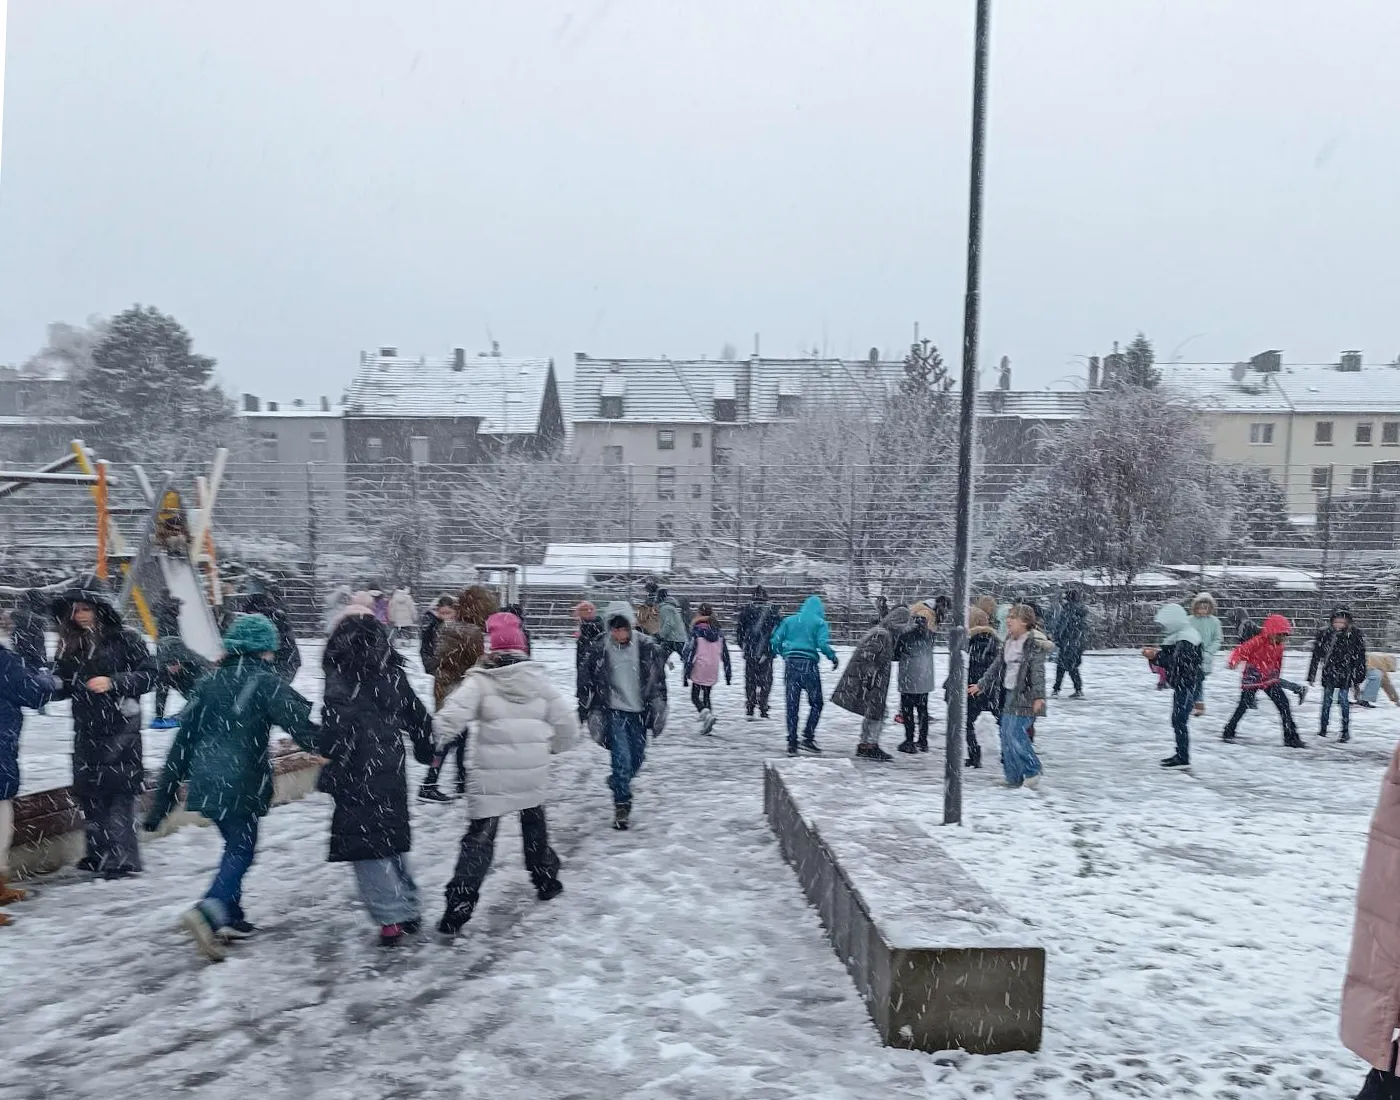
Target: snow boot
907,745
809,744
237,930
707,721
390,935
457,913
1229,736
622,816
873,752
9,894
429,792
792,750
1302,693
165,724
550,890
1077,695
206,939
1293,741
1344,738
1176,762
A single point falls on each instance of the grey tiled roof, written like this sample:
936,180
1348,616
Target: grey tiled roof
506,394
1302,389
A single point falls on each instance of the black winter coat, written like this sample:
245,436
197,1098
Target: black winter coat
865,684
369,706
1183,664
427,641
27,638
1341,654
1070,631
106,727
595,685
757,621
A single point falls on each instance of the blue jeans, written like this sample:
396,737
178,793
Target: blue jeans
1371,689
802,675
223,903
387,889
1018,759
627,739
1343,700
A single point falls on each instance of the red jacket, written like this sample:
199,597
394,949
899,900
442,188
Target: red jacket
1263,656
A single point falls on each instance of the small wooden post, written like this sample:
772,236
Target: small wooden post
102,519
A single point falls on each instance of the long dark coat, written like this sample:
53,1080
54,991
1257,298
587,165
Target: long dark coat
369,706
1341,655
106,727
20,686
865,684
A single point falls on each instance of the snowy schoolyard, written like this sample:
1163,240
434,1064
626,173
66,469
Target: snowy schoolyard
1196,927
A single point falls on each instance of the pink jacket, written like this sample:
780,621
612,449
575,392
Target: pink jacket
1371,996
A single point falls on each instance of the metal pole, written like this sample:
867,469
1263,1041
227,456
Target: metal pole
962,550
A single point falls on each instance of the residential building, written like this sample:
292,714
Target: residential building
36,417
290,468
1322,432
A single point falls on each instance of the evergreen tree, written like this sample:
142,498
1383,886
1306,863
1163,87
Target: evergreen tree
152,397
1137,365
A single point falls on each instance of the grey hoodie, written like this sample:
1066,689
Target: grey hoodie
624,662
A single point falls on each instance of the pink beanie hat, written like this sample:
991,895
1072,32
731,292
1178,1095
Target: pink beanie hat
504,633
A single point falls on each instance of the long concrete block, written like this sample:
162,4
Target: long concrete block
49,825
940,964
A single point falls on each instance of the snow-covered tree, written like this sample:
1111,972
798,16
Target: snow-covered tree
1136,365
68,350
153,398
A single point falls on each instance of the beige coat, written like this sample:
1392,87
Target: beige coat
1371,996
1383,663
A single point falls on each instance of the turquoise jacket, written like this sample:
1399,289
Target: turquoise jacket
1208,627
804,634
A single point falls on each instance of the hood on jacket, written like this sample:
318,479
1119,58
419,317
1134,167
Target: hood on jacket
1207,599
897,619
978,621
476,604
619,609
1342,613
923,611
813,610
1276,624
760,594
459,647
520,681
357,648
1176,625
93,592
706,629
987,605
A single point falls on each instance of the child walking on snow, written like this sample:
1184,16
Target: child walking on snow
1262,656
918,675
704,652
1339,651
1018,674
1207,625
983,648
1179,659
865,685
800,640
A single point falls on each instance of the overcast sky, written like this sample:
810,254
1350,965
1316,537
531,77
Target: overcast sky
299,180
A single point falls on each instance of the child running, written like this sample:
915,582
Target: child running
1262,656
1339,652
704,652
800,640
1018,673
222,750
1179,659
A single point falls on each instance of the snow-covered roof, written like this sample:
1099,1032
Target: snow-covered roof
641,557
506,395
1301,389
1032,404
44,422
1289,580
293,413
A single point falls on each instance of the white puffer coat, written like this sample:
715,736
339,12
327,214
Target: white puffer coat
515,718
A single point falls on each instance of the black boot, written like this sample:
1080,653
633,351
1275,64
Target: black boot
458,912
550,890
622,815
1345,737
907,745
1293,741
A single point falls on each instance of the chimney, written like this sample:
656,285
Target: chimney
496,348
874,356
1093,372
325,404
459,359
388,353
1351,362
272,406
251,404
1267,362
1004,382
298,403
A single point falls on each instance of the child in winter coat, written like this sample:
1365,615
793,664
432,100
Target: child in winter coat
1262,656
221,750
1070,631
367,709
705,651
516,719
918,675
460,646
865,685
1179,657
1339,652
20,686
1018,676
800,640
1380,667
1207,625
983,648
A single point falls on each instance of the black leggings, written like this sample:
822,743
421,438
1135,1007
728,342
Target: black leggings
909,707
700,696
479,846
1280,702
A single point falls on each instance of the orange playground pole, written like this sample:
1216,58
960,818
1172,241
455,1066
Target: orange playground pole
102,519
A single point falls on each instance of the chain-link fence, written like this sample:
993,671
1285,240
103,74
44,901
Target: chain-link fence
853,532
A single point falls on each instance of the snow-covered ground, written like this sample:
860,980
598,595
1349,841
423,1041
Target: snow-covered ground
1196,927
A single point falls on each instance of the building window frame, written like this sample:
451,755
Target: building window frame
1360,479
1365,433
665,483
697,440
268,447
1321,478
1261,433
610,407
1390,433
374,448
665,439
1324,432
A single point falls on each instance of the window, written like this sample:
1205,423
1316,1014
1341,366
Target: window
1322,477
697,439
320,447
1261,434
726,410
1390,433
665,483
789,405
1361,478
374,449
696,491
418,449
1364,434
666,527
612,408
665,440
267,447
612,458
1322,433
461,449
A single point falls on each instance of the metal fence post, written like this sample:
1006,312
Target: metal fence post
312,531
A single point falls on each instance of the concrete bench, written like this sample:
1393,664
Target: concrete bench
941,965
49,825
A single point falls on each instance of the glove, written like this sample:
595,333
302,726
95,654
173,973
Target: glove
835,664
